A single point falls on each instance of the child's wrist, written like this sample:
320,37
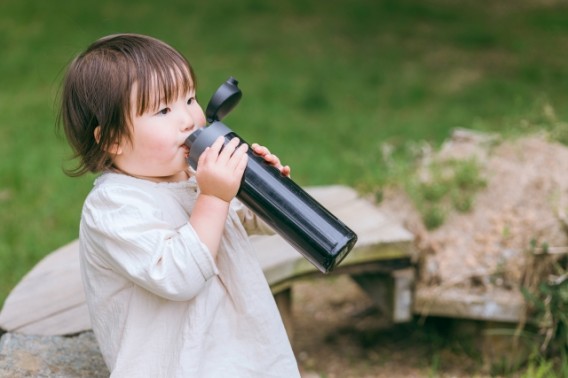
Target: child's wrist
214,200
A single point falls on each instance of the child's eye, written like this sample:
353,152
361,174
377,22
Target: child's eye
191,100
164,111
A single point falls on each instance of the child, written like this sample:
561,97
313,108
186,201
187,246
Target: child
172,287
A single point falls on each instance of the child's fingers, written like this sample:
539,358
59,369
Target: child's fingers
203,157
213,150
270,158
274,160
286,170
260,150
238,155
241,163
228,150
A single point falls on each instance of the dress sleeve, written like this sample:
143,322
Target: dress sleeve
251,222
125,233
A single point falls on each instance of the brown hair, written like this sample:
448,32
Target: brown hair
97,89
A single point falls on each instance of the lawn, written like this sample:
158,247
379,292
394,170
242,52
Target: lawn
327,84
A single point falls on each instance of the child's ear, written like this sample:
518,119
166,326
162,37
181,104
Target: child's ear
114,149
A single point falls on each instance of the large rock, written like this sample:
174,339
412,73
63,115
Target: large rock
51,356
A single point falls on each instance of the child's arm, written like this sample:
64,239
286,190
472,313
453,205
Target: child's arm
219,176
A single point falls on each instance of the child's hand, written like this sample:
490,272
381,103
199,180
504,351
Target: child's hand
219,174
270,158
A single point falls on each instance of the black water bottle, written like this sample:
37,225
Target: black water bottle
302,221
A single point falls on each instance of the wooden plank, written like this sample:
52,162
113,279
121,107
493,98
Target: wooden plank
391,292
454,302
49,300
334,196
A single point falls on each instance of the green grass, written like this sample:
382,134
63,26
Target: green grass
326,84
444,187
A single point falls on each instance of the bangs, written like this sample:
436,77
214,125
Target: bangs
115,78
162,78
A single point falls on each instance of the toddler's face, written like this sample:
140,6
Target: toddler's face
157,151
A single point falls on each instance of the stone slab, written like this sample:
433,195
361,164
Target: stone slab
51,356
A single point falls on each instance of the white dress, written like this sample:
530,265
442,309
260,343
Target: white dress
160,306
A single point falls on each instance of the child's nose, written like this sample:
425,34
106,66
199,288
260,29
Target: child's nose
187,121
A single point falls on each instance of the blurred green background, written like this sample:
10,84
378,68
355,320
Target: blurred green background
326,84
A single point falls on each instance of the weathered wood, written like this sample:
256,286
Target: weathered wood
50,300
454,302
390,291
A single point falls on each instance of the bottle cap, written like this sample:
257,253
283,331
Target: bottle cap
223,100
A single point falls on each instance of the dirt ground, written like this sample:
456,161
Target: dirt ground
338,334
519,214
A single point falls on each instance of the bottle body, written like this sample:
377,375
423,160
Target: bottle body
302,221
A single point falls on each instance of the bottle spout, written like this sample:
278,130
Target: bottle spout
192,137
202,138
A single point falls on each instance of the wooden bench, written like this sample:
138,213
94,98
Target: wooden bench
49,300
